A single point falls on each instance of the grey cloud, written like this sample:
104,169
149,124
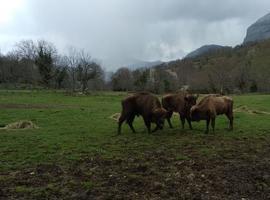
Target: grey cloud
120,31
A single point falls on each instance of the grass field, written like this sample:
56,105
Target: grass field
75,153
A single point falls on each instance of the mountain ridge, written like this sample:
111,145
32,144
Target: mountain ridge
260,30
205,49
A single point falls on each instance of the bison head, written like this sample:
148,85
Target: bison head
194,113
158,116
190,100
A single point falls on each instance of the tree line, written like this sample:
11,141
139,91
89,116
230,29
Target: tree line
37,64
243,69
34,64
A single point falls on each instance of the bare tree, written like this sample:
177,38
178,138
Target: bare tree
87,70
242,77
220,77
26,49
72,60
61,72
122,80
11,69
60,75
141,78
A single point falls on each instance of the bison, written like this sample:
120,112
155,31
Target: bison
211,106
146,105
180,103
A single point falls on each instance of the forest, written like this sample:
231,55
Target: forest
38,64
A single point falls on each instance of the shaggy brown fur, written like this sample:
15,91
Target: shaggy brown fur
146,105
211,106
180,103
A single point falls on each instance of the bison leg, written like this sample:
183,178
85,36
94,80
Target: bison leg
169,122
207,125
130,121
213,120
231,123
120,122
182,118
230,117
147,124
189,123
169,118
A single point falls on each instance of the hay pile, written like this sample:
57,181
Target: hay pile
115,116
245,109
23,124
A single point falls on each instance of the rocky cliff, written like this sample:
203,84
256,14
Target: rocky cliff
258,31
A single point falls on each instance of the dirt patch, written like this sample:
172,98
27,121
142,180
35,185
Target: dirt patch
150,174
246,109
24,124
33,106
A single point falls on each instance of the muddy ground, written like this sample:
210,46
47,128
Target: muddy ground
237,169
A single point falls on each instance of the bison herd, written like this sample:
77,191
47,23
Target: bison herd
153,111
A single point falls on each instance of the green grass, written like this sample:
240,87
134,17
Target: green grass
75,127
75,150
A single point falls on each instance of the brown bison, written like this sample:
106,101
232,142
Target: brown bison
146,105
211,106
180,103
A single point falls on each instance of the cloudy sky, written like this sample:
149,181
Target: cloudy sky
119,32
